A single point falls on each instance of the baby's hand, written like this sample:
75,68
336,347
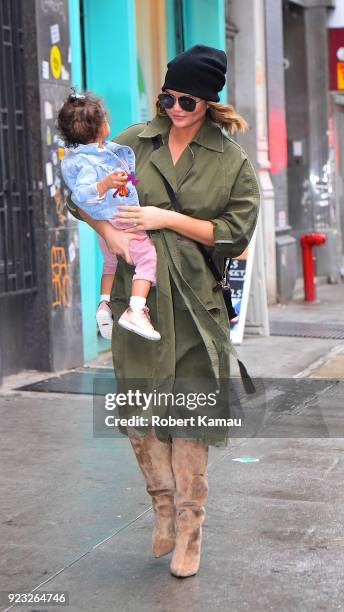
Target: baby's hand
116,179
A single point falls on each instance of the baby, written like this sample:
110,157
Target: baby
100,175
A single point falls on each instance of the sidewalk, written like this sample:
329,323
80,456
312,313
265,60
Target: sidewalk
287,356
76,517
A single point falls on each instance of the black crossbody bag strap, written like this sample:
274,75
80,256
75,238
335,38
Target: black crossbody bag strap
247,381
175,203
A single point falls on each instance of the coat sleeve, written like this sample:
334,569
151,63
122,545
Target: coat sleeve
85,189
234,228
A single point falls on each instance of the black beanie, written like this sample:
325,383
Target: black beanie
199,71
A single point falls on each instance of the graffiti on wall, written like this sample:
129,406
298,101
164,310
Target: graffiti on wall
59,277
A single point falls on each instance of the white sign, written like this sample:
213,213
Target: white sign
45,70
240,281
297,148
71,252
48,110
49,175
54,34
64,73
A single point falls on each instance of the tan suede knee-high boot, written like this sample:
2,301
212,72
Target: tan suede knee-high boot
154,459
189,462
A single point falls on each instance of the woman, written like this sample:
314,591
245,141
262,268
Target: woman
218,193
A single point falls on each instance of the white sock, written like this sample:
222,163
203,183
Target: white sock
137,302
105,297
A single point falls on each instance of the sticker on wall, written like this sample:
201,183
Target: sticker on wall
71,252
64,74
52,191
45,70
48,136
48,110
54,158
49,175
55,61
55,34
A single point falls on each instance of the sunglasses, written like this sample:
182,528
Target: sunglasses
187,103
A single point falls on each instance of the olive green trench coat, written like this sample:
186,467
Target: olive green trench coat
213,180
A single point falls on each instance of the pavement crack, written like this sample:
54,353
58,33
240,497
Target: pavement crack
66,567
331,467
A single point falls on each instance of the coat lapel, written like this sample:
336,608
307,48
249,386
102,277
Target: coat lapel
209,136
184,165
161,158
175,175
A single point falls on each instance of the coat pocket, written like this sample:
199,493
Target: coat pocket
197,274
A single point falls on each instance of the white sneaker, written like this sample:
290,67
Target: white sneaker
104,320
138,321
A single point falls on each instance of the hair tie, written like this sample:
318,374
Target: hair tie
75,95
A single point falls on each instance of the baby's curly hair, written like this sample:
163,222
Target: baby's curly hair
80,119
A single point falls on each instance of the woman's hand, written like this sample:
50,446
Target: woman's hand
118,242
144,218
152,217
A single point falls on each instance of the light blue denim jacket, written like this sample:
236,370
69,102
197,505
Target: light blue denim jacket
83,166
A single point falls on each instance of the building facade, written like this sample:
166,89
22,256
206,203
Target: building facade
302,77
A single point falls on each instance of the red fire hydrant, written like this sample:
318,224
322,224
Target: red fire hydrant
308,241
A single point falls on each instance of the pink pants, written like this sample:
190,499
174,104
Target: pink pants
142,252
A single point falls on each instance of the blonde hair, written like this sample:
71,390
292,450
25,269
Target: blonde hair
224,115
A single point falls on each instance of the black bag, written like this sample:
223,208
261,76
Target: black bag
223,283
